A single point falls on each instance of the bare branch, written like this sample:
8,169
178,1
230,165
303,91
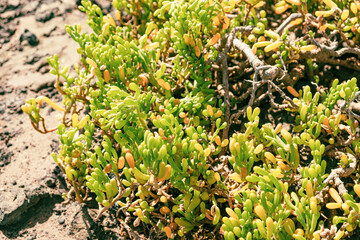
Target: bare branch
225,80
283,95
292,17
324,47
337,173
254,82
230,40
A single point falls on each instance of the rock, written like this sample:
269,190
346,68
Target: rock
68,5
14,105
38,86
2,109
50,182
13,4
23,90
61,221
23,232
9,5
30,6
15,201
32,59
45,16
48,34
9,15
29,37
5,156
43,66
6,31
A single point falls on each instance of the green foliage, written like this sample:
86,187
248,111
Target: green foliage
152,139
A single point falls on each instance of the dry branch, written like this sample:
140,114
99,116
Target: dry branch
336,174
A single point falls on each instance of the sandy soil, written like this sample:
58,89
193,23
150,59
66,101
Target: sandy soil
30,183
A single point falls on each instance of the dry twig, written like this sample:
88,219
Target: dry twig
336,174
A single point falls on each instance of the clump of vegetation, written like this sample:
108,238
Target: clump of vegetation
167,117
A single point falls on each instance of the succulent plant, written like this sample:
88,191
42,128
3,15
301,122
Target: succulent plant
161,86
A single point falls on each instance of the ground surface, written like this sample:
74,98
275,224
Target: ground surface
30,189
30,183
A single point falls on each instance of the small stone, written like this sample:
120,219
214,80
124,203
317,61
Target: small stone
50,182
30,6
23,232
61,221
32,237
45,16
13,4
29,37
32,59
36,87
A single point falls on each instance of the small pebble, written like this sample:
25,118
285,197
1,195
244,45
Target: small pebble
44,16
29,37
50,182
61,221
